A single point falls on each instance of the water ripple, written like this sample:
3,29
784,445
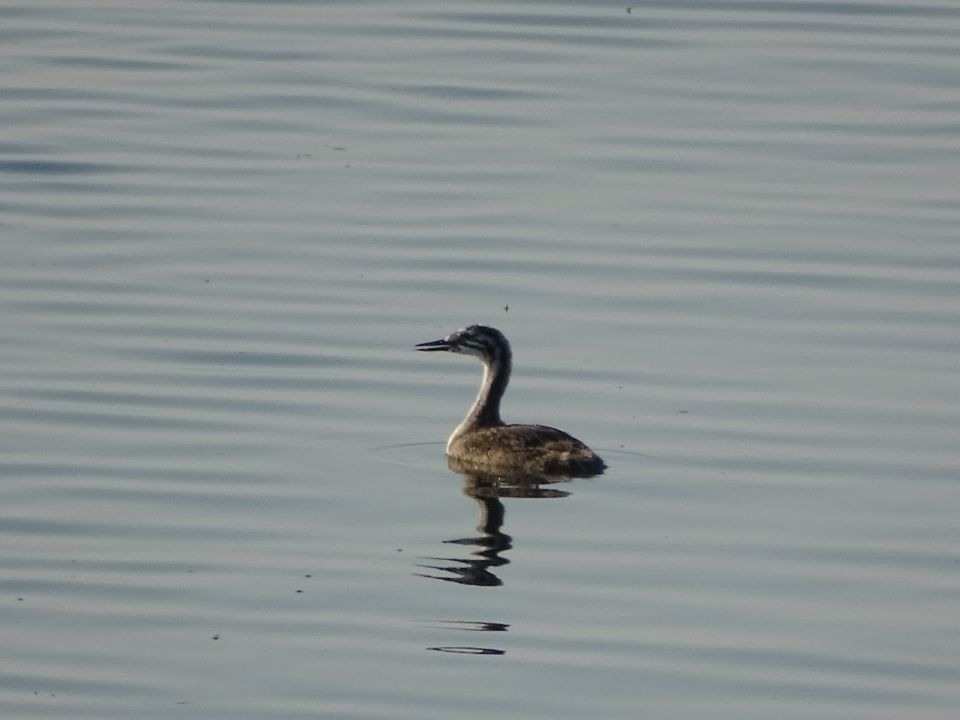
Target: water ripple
721,237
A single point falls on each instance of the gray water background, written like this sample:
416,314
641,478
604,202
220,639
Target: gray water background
722,237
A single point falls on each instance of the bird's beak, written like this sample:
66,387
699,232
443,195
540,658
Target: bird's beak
433,346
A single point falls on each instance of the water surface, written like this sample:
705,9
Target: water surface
721,237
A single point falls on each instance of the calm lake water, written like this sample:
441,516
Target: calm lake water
721,236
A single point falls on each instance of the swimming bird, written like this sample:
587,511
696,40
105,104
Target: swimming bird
483,442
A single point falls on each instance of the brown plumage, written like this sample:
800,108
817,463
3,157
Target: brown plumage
483,442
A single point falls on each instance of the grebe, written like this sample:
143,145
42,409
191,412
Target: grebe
483,442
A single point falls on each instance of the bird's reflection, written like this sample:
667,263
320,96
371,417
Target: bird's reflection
478,567
468,626
487,491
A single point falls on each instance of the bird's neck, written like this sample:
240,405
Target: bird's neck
485,411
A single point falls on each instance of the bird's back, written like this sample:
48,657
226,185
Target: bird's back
526,449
